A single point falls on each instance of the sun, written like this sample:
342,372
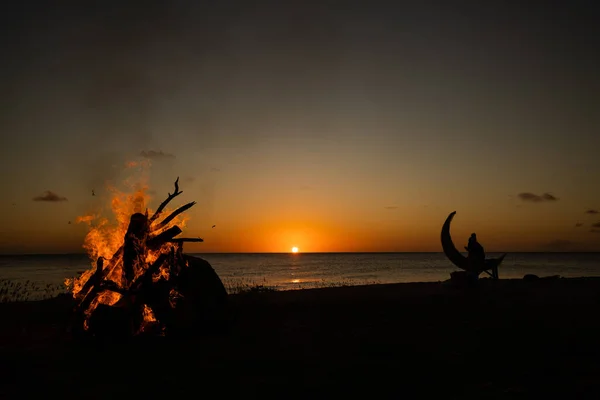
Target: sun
294,249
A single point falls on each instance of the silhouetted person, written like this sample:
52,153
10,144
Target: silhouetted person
475,249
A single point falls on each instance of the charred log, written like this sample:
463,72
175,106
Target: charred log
160,239
175,213
116,258
157,298
134,247
182,240
145,280
95,278
170,197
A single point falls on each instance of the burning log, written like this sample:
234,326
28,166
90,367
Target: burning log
160,239
150,280
94,279
134,248
146,278
112,263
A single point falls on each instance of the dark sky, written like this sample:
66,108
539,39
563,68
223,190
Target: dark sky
325,117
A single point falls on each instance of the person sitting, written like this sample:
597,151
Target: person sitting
475,249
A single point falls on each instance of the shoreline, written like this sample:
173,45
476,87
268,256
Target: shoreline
503,337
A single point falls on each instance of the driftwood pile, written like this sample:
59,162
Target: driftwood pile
183,292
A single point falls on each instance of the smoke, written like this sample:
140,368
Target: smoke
114,74
157,155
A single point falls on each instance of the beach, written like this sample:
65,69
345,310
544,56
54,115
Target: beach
501,339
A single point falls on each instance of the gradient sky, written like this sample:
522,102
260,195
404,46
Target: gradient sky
330,125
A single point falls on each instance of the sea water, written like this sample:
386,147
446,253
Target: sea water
46,273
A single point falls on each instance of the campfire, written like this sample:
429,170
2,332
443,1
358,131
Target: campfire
148,285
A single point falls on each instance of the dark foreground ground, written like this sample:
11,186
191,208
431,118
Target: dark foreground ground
502,340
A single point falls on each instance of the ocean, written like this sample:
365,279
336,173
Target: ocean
44,274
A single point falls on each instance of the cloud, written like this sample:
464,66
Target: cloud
391,207
590,211
534,198
596,225
49,196
577,225
559,244
156,155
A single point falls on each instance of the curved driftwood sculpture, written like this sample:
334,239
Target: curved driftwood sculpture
457,258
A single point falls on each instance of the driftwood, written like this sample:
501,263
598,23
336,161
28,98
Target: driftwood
181,240
175,213
116,258
170,197
134,248
95,278
146,278
157,241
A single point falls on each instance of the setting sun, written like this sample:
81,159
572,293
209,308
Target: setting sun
294,249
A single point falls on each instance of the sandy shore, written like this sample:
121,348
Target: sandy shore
499,340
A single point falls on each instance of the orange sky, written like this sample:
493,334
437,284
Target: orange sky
252,216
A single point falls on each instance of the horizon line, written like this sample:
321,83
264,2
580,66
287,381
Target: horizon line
306,252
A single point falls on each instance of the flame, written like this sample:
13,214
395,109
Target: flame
106,235
148,314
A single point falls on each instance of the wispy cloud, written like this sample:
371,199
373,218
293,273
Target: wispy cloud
534,198
214,169
156,155
591,211
391,208
596,225
49,196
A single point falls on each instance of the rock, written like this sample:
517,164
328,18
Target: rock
204,301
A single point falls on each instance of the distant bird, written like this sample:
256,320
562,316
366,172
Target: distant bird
93,193
213,226
69,222
14,204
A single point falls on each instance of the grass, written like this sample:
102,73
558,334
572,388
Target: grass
16,291
244,285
